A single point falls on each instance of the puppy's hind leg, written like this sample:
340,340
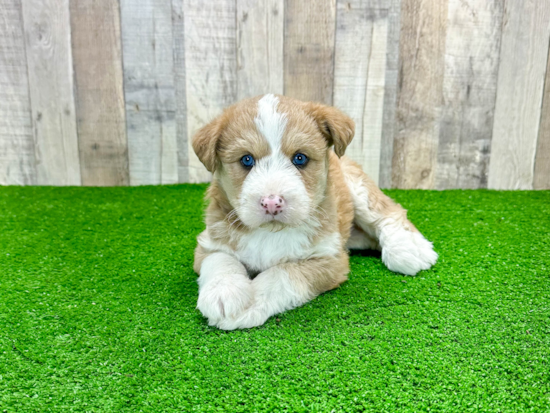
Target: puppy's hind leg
404,248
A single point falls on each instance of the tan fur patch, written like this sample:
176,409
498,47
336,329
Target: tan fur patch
378,202
319,274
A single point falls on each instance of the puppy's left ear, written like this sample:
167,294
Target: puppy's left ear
205,143
337,127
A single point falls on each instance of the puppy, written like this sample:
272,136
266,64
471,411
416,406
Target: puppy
284,210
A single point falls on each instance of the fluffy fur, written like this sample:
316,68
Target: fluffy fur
254,263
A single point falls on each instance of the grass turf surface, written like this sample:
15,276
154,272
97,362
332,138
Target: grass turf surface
97,312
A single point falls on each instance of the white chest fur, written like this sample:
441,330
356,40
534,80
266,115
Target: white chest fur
263,249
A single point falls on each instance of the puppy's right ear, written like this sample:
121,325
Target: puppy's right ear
337,127
205,143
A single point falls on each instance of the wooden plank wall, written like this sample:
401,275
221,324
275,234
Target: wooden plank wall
444,93
149,91
419,96
359,76
469,93
51,91
17,159
521,75
100,111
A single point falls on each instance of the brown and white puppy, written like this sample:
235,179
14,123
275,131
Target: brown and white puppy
285,208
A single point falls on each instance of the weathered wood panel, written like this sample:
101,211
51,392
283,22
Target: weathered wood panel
523,59
541,179
309,49
390,94
260,33
469,93
359,76
178,38
49,61
373,118
17,164
422,46
149,90
101,123
445,94
211,67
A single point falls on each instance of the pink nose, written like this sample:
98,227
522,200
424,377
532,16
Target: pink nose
273,204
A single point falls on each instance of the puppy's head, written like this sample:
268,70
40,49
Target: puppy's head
269,155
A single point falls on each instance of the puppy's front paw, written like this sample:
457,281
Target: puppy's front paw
407,252
253,316
226,297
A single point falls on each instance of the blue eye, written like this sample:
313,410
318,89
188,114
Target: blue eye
300,160
247,161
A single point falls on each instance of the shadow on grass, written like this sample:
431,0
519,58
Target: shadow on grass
365,253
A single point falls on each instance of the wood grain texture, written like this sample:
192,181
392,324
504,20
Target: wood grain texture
49,62
523,59
211,67
17,163
390,94
422,45
309,49
101,123
260,33
445,94
469,93
373,117
178,38
149,90
541,178
359,76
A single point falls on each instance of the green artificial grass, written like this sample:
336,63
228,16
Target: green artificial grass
98,295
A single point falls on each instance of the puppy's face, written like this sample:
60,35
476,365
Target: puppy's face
270,157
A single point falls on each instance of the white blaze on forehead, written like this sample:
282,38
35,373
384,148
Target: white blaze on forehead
273,174
269,122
